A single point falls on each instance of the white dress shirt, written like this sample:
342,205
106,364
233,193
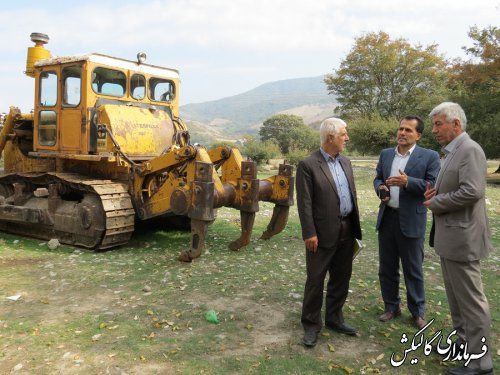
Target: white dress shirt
399,163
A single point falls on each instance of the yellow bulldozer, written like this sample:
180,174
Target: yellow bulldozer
104,147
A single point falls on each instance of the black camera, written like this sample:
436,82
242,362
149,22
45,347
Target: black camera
382,193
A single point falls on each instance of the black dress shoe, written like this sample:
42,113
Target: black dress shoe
342,328
469,371
310,338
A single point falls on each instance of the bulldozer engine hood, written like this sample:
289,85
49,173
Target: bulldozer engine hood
141,132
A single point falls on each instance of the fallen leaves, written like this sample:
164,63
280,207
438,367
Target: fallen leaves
14,298
346,369
17,367
96,337
110,290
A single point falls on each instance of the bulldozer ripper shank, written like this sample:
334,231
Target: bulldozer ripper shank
104,147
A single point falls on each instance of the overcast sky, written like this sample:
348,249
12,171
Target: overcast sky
226,47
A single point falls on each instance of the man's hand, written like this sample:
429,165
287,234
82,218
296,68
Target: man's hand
401,180
311,244
429,193
388,197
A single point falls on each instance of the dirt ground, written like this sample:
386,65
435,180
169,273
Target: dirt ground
54,293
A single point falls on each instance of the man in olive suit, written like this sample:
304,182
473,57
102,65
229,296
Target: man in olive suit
460,233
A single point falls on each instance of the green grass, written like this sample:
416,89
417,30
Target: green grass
82,312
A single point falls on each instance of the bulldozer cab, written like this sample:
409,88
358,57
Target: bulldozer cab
76,95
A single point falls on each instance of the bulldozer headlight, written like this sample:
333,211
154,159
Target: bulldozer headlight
141,57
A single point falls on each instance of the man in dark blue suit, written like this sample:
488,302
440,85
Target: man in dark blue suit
403,174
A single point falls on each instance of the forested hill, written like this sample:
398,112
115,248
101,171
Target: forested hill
243,113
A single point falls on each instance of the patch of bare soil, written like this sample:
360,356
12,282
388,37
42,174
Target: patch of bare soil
16,262
49,299
99,367
267,328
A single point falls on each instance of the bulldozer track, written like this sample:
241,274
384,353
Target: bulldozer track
117,208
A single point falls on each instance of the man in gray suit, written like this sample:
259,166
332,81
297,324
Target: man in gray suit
460,233
328,212
403,174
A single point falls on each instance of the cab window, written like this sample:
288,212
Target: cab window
47,128
109,81
48,89
161,90
138,86
71,85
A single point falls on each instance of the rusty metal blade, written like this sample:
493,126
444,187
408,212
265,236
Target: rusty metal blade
277,223
198,234
247,220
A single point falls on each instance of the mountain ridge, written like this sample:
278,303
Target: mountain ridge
244,113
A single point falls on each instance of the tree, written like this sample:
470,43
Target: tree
278,128
304,138
475,84
369,136
296,155
260,152
389,78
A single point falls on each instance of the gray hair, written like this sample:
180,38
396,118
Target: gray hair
452,111
331,125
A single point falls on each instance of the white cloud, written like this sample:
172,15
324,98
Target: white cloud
255,24
231,40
